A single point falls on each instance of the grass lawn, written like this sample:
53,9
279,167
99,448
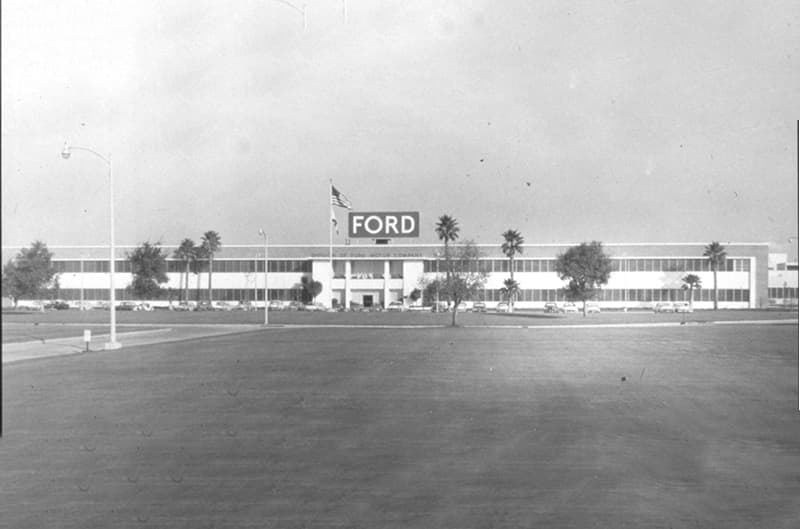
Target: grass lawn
398,428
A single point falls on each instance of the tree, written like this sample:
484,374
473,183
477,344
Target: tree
186,252
690,283
512,245
29,273
447,229
466,277
149,269
212,242
414,295
510,291
586,267
716,255
311,289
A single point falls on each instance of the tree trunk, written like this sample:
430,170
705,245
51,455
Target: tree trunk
455,313
716,296
210,271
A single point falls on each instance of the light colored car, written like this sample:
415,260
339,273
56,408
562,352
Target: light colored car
183,306
551,308
592,307
440,306
396,306
315,307
570,308
144,307
462,307
683,306
276,304
664,307
479,306
502,307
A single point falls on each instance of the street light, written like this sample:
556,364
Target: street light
266,267
66,153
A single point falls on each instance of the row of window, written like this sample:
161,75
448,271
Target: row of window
222,266
617,265
219,294
618,294
783,293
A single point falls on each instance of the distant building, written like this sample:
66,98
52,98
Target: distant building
643,274
783,282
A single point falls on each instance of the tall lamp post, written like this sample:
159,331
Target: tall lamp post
66,153
266,284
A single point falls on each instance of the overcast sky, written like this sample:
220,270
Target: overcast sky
621,121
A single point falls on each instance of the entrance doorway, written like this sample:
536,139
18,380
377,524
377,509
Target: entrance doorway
367,301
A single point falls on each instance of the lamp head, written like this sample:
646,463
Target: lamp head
66,152
261,231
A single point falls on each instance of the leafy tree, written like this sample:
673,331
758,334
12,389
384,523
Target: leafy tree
716,255
29,273
415,295
466,277
510,291
212,242
311,289
447,229
690,283
512,245
149,269
186,252
586,267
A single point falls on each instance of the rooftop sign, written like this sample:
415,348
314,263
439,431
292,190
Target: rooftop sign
383,225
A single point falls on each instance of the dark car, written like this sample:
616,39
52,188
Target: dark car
58,304
127,305
204,305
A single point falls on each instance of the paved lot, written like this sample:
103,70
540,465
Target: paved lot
390,427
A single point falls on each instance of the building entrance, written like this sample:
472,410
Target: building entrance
367,301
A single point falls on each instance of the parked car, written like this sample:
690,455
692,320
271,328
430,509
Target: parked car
439,306
144,307
551,308
183,306
57,304
204,305
569,308
462,307
222,306
275,304
479,306
683,306
396,306
664,307
502,307
127,305
315,307
244,305
418,308
592,307
294,305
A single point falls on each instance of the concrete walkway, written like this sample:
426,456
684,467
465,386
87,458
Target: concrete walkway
32,350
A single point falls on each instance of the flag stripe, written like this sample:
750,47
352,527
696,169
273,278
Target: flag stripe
338,199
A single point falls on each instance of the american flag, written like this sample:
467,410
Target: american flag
338,199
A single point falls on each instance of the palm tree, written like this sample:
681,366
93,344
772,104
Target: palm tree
716,256
212,242
690,283
186,252
447,229
510,291
512,245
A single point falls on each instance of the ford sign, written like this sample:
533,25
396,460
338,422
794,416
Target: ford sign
383,225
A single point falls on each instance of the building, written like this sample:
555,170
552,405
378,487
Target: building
782,280
376,274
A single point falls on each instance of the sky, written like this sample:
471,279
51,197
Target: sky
569,121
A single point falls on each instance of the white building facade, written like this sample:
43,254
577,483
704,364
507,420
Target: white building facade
375,275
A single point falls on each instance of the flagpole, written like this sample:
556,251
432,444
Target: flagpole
330,235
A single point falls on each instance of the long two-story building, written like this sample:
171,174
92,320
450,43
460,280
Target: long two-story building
377,274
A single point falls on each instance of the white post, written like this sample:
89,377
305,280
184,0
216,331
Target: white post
112,342
266,281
